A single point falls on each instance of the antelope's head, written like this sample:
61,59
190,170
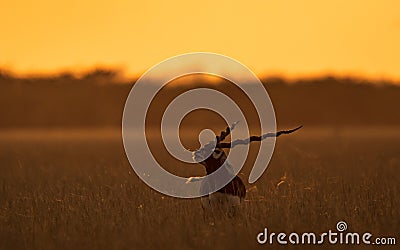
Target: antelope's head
212,160
211,155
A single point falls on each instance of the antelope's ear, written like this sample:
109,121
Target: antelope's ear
217,153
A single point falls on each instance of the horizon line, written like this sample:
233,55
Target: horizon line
120,73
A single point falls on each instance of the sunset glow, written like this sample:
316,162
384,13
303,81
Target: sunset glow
291,38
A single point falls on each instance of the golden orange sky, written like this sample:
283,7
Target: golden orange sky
293,38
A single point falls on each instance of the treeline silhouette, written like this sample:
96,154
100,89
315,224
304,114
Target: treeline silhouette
97,100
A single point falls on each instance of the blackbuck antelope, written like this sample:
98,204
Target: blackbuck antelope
228,198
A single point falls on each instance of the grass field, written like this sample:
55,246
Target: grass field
66,190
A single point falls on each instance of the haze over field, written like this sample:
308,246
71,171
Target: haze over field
97,100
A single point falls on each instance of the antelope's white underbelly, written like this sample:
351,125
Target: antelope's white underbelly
219,200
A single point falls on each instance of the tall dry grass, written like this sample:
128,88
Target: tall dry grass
79,192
